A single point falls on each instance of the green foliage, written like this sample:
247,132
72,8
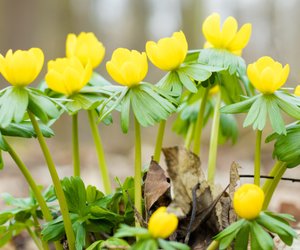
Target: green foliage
91,211
287,147
222,58
110,243
257,230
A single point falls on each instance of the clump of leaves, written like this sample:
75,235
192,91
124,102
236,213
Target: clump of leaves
91,212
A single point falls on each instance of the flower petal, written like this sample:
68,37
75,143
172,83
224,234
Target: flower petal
241,38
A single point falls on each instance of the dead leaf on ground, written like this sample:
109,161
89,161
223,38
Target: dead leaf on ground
156,184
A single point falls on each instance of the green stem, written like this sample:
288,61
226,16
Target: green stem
75,145
199,123
213,245
257,158
159,141
56,182
35,189
37,232
138,168
36,240
270,185
213,147
189,136
100,152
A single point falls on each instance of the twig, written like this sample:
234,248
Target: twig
193,215
269,177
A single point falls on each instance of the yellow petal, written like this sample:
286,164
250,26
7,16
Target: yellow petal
130,73
264,62
254,75
211,30
55,81
71,45
143,66
241,38
229,30
297,91
284,73
114,72
267,83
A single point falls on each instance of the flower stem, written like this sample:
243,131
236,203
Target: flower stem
189,136
75,145
56,182
214,245
35,189
199,123
213,147
36,240
138,167
100,152
270,185
159,141
257,157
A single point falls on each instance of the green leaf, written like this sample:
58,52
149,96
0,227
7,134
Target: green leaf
80,235
171,83
260,239
75,193
240,107
5,235
284,231
228,128
253,113
5,216
42,106
172,245
127,231
113,243
13,105
98,212
230,229
85,101
3,144
290,108
147,244
192,56
95,245
125,112
196,72
98,80
187,82
93,194
222,58
287,147
275,117
242,238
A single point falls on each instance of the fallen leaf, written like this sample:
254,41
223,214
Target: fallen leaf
183,167
156,184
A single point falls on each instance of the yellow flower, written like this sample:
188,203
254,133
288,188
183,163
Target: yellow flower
169,52
267,75
297,91
86,47
228,37
248,201
67,75
21,67
162,224
127,67
214,90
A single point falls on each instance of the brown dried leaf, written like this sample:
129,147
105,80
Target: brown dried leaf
185,173
156,184
234,179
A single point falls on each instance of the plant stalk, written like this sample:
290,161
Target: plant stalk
138,168
270,185
75,145
159,141
213,146
56,182
189,136
214,245
36,240
100,152
199,123
257,158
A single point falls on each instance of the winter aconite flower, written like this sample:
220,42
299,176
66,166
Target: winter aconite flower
21,67
86,47
248,201
228,37
127,67
297,91
162,224
67,75
267,75
169,52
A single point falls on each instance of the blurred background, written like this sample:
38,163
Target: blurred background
130,23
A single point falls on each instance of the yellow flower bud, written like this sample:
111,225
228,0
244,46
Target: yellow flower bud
21,67
214,90
267,75
248,201
228,37
162,224
297,91
169,52
67,75
127,67
86,47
